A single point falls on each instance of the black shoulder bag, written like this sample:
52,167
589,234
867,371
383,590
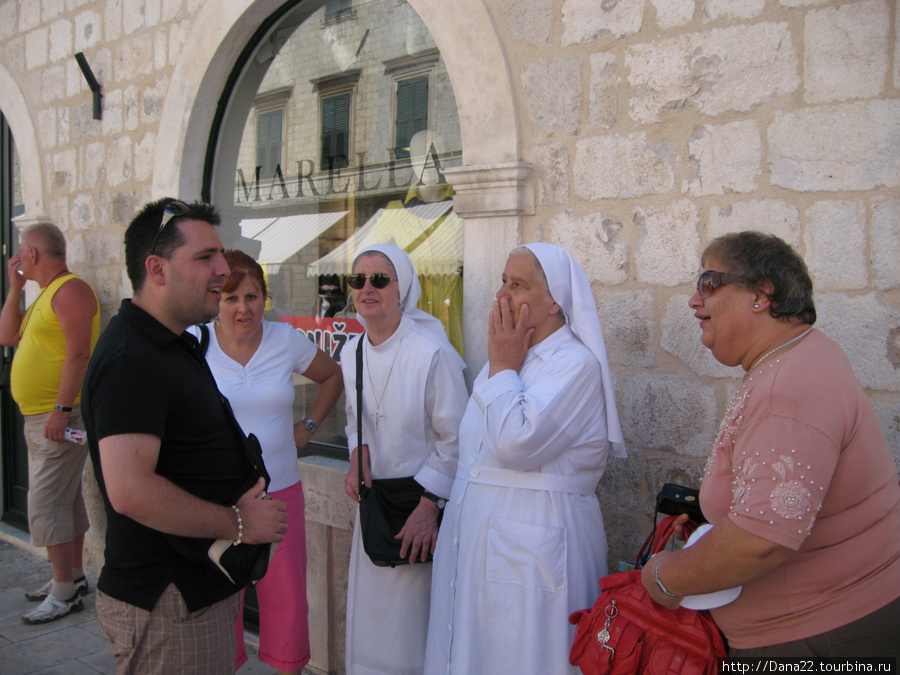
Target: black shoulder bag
384,507
242,564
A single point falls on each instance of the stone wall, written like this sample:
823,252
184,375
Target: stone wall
632,132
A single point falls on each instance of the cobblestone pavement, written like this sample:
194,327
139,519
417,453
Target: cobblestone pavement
73,645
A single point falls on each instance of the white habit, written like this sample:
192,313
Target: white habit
422,402
522,542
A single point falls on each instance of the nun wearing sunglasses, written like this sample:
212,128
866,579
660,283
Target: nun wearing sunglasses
800,486
413,396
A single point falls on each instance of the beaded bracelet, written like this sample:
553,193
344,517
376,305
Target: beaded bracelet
240,526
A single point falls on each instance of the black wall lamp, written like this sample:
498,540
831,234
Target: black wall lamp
92,83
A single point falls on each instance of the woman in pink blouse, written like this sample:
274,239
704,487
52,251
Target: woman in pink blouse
800,487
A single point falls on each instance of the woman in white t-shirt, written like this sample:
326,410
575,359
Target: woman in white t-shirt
254,362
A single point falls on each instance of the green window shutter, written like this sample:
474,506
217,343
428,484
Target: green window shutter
268,141
412,112
335,131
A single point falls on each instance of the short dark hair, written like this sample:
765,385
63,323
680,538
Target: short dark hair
143,229
754,258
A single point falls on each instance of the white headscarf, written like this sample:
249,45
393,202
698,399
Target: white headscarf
571,290
410,291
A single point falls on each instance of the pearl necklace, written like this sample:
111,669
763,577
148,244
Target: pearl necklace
772,351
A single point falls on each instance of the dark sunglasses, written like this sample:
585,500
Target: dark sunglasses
174,209
380,280
709,281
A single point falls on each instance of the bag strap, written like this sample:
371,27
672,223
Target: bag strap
204,338
359,365
658,538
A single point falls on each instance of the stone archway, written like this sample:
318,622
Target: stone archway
15,108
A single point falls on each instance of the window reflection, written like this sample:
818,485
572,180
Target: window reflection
339,130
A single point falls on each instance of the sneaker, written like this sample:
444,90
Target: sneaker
52,608
81,588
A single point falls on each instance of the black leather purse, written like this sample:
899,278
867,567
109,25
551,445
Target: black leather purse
384,507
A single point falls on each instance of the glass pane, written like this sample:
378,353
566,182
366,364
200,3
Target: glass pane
341,184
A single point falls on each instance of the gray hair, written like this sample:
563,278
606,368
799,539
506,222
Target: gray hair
52,242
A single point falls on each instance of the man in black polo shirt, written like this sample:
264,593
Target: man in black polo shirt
166,454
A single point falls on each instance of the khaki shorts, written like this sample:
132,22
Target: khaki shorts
170,639
56,512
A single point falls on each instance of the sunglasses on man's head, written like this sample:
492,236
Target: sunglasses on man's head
710,280
174,209
380,280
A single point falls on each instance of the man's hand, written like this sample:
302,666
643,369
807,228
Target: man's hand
507,339
351,482
420,532
55,428
264,520
16,280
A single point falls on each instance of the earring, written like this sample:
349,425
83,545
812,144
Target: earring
756,306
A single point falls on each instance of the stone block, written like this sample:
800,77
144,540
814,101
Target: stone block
7,19
622,166
170,10
113,112
726,159
549,106
596,242
119,160
144,157
88,30
82,216
628,327
808,148
835,240
131,57
681,338
152,99
845,53
83,126
46,127
53,83
29,15
773,216
587,20
668,413
132,16
75,82
604,89
93,166
60,40
529,20
14,53
112,21
867,327
719,71
64,171
672,13
552,173
131,107
667,243
733,9
36,46
323,487
885,245
160,48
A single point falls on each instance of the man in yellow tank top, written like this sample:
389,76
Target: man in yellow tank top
55,339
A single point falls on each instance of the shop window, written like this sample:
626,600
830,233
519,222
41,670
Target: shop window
368,123
412,112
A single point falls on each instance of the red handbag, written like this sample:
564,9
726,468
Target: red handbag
627,633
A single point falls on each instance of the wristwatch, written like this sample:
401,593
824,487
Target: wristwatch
440,501
311,426
61,408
